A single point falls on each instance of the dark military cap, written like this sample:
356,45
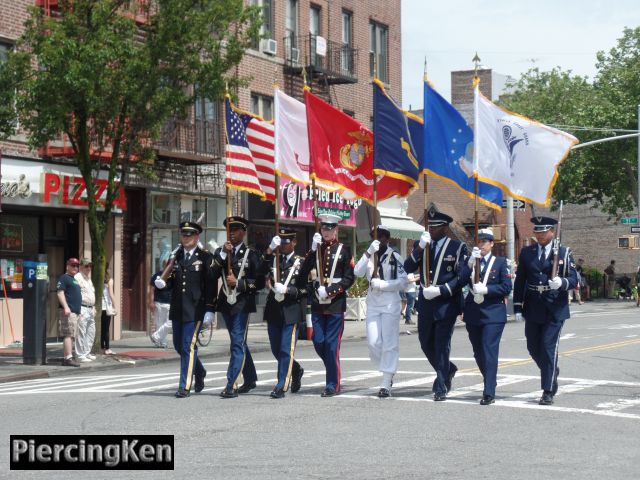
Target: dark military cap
382,230
190,227
542,224
287,235
437,219
236,222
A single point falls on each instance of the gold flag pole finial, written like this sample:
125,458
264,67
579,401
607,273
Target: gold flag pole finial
476,67
424,74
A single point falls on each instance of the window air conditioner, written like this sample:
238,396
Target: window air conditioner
294,55
268,45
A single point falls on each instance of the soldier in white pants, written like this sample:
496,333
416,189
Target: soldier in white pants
383,305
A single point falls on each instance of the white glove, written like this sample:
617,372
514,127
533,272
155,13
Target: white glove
208,319
519,317
159,283
280,288
275,243
480,289
322,293
555,283
317,240
374,247
413,277
431,292
475,254
377,284
425,239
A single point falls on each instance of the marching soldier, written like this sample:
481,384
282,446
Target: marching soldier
334,266
285,308
192,303
236,300
485,313
383,305
441,301
544,301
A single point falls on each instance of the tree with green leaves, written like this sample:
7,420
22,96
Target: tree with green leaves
109,83
604,175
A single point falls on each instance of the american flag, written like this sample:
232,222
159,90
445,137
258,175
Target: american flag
249,153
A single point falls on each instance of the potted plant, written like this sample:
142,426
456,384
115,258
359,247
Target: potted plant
356,299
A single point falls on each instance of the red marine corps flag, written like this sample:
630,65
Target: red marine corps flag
341,149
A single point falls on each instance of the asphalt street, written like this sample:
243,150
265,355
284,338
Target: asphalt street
592,430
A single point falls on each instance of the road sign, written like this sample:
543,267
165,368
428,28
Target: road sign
517,204
635,229
629,220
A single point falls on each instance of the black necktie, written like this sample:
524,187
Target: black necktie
187,257
542,256
483,263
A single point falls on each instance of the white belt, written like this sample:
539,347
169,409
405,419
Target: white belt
336,280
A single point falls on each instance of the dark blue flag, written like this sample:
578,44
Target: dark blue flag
448,149
394,151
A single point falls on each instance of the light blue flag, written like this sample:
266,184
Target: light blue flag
448,149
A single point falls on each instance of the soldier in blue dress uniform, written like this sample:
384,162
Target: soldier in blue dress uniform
285,308
236,300
441,301
485,312
543,302
192,303
334,267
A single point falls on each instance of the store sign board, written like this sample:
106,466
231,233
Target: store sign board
296,204
45,185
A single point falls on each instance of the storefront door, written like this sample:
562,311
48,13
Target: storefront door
134,276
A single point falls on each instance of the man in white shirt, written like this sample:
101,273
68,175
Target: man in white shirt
87,320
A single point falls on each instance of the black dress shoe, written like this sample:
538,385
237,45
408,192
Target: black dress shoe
277,393
182,393
546,398
246,387
199,385
452,373
229,393
296,381
328,392
384,393
439,397
487,400
554,385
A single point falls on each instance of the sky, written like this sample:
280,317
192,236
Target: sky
509,36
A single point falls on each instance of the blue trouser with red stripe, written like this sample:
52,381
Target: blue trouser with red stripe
327,334
185,337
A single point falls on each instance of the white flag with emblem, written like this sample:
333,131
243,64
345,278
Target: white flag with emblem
291,139
516,154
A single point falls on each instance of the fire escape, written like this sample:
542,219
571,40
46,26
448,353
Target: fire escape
324,62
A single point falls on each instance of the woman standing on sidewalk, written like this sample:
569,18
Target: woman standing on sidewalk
108,311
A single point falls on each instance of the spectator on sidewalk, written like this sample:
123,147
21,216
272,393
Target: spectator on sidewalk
410,298
576,293
159,303
610,272
108,312
87,321
70,299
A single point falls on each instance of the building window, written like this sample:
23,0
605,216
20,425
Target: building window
346,57
266,29
314,20
262,106
378,51
5,48
207,115
291,26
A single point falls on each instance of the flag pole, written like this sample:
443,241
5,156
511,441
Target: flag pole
375,179
276,203
228,165
314,193
426,196
476,82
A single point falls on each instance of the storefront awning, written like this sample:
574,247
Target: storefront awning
402,227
